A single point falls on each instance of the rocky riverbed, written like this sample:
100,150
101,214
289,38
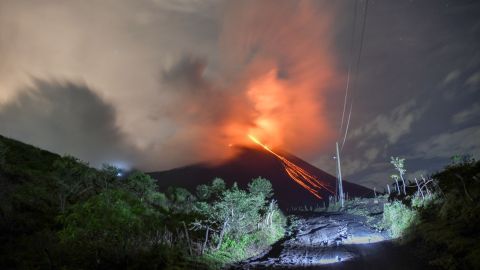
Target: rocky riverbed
334,241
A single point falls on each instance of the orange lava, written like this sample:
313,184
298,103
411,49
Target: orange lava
296,173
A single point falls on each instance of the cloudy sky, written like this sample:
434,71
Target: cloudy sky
158,84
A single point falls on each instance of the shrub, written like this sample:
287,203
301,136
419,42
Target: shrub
398,218
109,226
244,222
444,226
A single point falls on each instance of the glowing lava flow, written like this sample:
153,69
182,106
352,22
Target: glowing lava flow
299,175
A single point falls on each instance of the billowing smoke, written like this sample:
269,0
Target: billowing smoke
275,67
186,80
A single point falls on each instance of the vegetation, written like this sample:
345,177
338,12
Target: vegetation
399,164
398,218
443,223
57,212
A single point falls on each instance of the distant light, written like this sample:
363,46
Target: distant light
121,165
119,174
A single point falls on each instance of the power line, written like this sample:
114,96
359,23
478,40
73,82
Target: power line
350,55
357,66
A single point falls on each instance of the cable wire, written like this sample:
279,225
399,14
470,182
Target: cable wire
350,55
357,66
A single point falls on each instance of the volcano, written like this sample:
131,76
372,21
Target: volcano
249,163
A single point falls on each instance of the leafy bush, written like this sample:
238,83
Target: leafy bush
109,226
245,221
444,225
247,245
398,218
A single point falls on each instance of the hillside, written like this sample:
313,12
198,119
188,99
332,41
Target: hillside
57,212
24,157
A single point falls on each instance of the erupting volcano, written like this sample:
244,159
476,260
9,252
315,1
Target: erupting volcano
284,170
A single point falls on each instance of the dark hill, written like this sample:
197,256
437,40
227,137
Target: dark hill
25,157
251,163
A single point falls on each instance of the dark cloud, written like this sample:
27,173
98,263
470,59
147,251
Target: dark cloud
193,98
188,73
67,118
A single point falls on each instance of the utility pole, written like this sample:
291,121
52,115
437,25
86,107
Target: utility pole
339,170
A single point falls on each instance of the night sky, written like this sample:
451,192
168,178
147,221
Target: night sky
158,84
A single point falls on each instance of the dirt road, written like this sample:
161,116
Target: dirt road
335,241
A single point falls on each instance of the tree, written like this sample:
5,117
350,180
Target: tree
218,187
399,164
73,178
180,199
235,212
238,213
395,177
261,186
203,192
458,160
107,177
142,186
211,192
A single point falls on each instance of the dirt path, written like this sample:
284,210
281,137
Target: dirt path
335,241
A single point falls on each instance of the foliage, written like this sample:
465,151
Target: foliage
211,192
399,164
59,213
242,222
371,209
261,187
141,186
247,245
72,178
180,200
398,218
108,225
445,229
3,152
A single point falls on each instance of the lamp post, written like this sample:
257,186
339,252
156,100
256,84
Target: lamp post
339,171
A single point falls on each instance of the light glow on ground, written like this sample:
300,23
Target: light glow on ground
334,257
364,239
